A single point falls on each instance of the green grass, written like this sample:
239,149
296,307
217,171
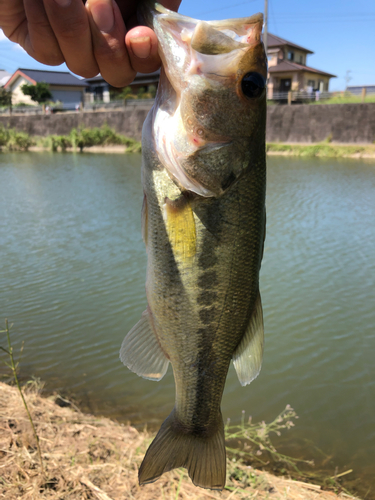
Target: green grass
11,140
78,138
322,149
345,99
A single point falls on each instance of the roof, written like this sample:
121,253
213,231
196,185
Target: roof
276,41
139,78
51,77
290,66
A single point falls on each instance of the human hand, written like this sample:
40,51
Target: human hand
101,36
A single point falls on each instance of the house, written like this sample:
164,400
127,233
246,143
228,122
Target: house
99,90
288,70
64,87
4,77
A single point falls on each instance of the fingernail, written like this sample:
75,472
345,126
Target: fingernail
63,3
102,13
141,46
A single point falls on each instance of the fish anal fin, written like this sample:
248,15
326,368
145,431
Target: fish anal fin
202,455
141,351
247,358
180,225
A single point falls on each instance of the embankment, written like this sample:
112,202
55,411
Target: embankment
341,123
301,123
92,457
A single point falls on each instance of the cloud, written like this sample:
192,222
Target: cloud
2,36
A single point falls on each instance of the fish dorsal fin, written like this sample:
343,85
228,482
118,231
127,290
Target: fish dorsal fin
247,358
141,351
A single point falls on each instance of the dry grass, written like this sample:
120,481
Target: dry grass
95,458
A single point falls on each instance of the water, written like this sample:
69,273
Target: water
72,275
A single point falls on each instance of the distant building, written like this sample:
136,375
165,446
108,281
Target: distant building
358,89
64,87
287,69
4,77
99,90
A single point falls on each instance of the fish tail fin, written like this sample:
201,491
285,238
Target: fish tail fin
203,456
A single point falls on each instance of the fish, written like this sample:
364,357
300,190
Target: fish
203,224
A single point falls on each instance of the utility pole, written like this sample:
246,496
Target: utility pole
265,25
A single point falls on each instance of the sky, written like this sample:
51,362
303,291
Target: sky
341,33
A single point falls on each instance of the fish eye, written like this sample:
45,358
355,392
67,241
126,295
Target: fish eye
253,84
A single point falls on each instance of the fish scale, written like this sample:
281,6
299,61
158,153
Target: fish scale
204,178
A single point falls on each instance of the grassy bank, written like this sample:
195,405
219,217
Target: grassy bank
105,139
76,140
86,457
322,149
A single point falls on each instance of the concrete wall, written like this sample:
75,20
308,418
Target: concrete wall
350,123
127,121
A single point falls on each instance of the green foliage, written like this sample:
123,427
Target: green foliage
39,93
12,140
251,441
5,97
323,149
141,93
152,91
127,93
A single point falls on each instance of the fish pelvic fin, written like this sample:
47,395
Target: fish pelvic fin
141,352
202,455
247,358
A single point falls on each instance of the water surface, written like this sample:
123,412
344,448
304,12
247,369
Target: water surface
72,275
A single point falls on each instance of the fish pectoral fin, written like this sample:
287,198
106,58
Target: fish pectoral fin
247,358
141,351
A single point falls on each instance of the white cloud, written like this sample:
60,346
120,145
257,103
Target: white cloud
2,36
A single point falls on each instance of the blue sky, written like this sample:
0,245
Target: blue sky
341,33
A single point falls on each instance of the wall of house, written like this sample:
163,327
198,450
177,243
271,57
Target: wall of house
348,123
316,78
17,94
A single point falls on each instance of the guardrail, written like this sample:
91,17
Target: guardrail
96,106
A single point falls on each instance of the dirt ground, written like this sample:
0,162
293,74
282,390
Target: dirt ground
85,457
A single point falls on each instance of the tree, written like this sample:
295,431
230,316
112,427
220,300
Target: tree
5,97
39,93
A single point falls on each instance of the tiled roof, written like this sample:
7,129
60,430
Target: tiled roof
290,66
140,77
53,77
276,41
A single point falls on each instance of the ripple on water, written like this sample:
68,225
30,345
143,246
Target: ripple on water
72,279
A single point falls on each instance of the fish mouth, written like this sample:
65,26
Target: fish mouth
208,48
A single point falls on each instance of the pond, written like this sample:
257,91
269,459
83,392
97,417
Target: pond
72,282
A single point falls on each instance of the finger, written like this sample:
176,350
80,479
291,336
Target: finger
69,21
41,42
108,37
142,43
26,23
142,46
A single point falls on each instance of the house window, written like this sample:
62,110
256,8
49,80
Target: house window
311,83
301,59
291,55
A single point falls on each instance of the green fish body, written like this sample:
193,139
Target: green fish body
203,220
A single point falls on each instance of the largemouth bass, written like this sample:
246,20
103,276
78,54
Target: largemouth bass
203,220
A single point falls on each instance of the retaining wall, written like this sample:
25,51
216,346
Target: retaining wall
347,123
